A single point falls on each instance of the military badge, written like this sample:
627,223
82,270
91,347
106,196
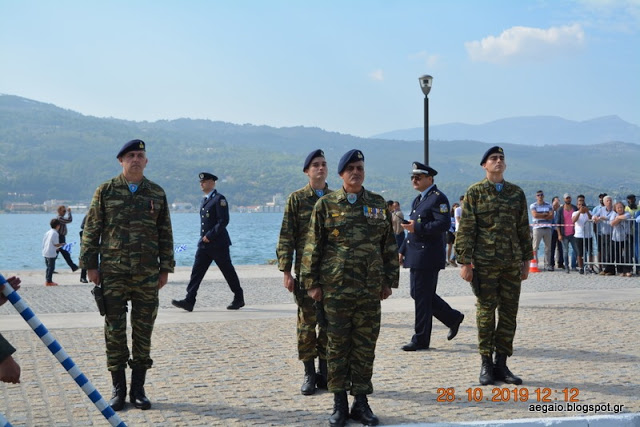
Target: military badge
335,232
223,202
352,197
444,208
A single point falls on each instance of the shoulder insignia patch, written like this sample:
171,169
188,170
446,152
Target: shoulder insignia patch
444,208
223,202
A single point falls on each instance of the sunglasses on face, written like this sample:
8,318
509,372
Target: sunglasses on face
416,177
539,195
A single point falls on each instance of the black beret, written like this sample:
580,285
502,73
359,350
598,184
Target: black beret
312,155
349,157
490,151
421,168
631,196
207,175
133,145
601,195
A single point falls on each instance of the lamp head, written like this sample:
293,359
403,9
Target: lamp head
425,83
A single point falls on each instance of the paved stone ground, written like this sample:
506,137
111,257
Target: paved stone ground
215,367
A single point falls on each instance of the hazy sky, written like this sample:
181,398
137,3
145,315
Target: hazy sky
344,66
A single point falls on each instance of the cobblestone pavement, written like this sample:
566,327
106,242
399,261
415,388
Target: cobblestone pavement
577,338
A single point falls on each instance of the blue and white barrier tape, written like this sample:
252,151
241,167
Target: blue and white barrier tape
56,349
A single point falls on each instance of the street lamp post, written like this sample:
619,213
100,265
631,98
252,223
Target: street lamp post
425,85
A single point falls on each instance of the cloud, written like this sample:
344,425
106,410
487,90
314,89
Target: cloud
617,16
526,43
376,75
430,60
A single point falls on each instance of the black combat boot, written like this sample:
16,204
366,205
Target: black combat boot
502,373
309,382
361,411
486,370
119,391
136,394
340,410
322,375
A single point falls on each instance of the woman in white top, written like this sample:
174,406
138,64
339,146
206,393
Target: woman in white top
583,233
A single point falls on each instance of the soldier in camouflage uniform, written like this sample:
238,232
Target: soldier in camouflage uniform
293,233
350,262
127,247
494,236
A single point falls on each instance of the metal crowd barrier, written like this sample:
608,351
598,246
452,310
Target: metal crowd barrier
613,249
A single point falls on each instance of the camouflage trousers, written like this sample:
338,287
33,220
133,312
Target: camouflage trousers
352,332
310,343
499,289
142,291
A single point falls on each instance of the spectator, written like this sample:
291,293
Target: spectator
50,243
583,232
620,234
542,214
556,249
566,232
605,249
62,210
632,209
396,220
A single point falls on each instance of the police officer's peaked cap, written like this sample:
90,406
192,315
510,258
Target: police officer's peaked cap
312,155
207,175
133,145
349,157
423,169
490,151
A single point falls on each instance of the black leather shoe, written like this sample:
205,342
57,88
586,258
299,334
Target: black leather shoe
340,410
136,393
236,305
119,391
183,304
83,280
453,331
361,411
502,373
412,346
486,371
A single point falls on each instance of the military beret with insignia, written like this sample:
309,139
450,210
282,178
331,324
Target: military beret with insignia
349,157
206,175
423,169
490,151
133,145
312,155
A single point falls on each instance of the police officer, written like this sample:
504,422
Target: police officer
423,252
293,234
213,246
127,248
350,262
494,235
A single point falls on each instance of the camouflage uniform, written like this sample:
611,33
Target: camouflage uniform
131,235
494,235
293,233
351,253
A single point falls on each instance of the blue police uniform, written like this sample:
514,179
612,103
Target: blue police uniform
424,254
214,217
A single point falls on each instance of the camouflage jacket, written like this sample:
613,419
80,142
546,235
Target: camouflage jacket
350,249
129,232
494,227
295,226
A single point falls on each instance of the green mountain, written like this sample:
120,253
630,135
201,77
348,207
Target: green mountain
52,153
